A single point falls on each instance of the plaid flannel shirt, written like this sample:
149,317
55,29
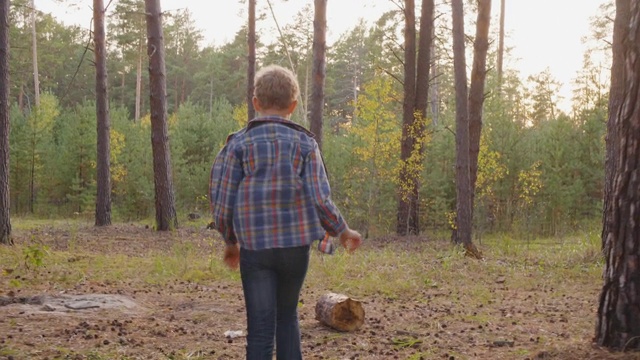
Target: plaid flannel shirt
269,188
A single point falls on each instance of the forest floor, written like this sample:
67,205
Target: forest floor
73,291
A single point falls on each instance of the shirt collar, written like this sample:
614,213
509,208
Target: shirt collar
279,120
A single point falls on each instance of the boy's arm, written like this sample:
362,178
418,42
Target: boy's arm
318,183
226,174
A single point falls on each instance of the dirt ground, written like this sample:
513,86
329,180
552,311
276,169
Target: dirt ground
188,320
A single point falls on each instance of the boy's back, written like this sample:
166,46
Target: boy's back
276,196
270,198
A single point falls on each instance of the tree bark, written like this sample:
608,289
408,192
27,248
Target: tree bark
501,45
340,312
34,51
476,91
251,68
301,100
5,219
616,94
423,66
618,322
138,105
319,68
462,232
103,196
434,92
414,114
166,218
407,219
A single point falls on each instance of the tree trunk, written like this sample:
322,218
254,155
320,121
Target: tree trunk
319,67
462,232
616,94
251,66
34,49
183,92
32,170
407,219
414,114
122,88
618,322
434,93
176,89
21,98
103,196
355,88
301,101
476,91
138,105
340,312
423,66
501,45
166,218
5,219
304,91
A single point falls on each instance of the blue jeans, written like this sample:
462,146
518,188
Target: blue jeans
271,281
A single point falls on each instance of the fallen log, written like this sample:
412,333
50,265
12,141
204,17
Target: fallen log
340,312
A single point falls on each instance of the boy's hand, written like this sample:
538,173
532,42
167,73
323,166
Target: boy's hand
232,256
350,239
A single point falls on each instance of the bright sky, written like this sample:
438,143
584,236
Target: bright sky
543,33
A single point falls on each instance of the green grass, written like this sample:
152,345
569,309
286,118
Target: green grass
394,269
34,262
372,270
428,277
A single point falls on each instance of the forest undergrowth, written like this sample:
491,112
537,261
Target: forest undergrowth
423,299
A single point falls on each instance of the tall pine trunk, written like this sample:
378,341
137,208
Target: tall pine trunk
616,94
468,117
34,54
476,102
434,91
414,114
166,218
618,321
423,68
501,45
319,68
407,206
462,232
138,105
476,90
251,66
5,219
103,196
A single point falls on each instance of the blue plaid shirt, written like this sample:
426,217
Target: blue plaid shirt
269,188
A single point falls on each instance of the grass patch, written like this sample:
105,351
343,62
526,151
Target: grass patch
386,271
424,298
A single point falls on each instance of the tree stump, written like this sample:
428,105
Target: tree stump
340,312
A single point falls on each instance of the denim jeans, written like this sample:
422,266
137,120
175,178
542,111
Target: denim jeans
271,281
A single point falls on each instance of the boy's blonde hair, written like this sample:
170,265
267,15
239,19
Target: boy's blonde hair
275,87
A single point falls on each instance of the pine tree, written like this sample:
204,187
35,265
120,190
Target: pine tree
5,221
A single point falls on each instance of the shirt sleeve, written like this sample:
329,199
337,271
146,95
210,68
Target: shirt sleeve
317,181
226,174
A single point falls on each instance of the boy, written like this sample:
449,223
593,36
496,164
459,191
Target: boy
270,199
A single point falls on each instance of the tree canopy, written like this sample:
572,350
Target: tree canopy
540,169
